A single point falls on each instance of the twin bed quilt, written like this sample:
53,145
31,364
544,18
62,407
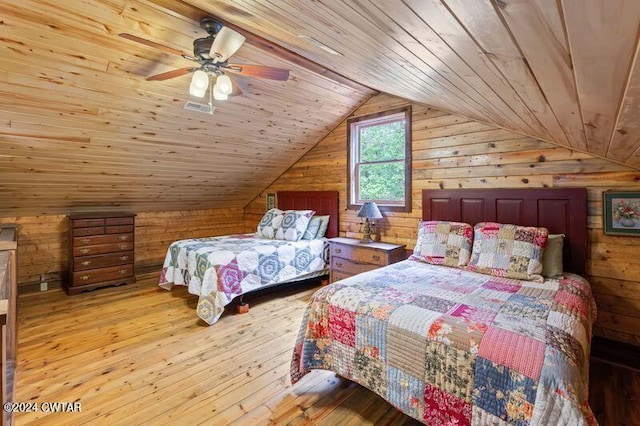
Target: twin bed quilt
220,268
453,347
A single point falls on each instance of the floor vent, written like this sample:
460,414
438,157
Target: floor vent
194,106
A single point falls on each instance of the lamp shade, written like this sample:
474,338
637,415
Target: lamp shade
218,95
225,44
370,210
224,83
199,84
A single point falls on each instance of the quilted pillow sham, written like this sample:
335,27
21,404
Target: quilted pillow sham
317,228
443,243
510,251
270,223
294,223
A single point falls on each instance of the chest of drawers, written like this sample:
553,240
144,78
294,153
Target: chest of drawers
101,250
350,257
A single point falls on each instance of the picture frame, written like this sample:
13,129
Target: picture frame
621,213
271,201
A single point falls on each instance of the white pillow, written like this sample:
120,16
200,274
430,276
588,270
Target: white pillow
270,223
293,225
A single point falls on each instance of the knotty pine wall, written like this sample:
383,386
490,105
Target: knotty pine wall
42,244
451,152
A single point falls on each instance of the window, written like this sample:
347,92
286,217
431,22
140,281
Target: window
379,163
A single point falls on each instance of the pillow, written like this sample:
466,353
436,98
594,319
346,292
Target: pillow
552,256
317,228
508,250
294,223
443,243
269,224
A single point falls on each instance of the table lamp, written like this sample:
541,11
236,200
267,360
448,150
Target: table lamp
369,210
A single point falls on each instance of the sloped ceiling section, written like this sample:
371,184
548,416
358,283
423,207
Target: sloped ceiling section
81,129
565,71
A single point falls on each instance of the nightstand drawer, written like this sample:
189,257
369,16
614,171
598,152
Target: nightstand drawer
87,223
337,276
359,254
81,232
344,265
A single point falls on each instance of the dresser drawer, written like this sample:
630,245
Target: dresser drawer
92,262
345,265
101,239
81,232
359,254
102,248
87,223
119,229
120,221
105,274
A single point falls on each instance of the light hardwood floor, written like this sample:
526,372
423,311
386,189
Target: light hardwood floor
138,355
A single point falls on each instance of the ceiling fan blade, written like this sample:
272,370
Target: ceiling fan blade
170,74
226,43
260,71
235,91
152,44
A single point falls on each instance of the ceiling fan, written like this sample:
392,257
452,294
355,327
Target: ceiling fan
212,54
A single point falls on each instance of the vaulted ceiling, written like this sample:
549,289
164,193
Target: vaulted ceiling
80,127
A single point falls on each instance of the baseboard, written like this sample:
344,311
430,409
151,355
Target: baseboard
617,353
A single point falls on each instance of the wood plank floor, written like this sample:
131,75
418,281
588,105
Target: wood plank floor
138,355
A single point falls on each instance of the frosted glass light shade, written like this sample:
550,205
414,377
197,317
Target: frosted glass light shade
224,83
218,95
225,44
199,84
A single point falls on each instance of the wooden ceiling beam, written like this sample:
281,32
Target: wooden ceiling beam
180,8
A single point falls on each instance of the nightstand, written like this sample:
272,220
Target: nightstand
350,256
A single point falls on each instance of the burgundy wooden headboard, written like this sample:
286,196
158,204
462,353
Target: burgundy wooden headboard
561,211
323,202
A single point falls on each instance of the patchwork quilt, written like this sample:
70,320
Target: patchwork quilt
453,347
218,269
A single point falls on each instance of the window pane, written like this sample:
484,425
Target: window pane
382,181
382,142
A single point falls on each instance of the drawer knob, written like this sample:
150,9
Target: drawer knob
375,257
85,277
124,246
124,237
124,257
86,240
123,271
339,264
338,250
85,251
85,263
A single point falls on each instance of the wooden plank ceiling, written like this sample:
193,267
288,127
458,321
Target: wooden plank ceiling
81,128
558,70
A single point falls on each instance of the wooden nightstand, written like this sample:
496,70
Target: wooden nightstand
350,257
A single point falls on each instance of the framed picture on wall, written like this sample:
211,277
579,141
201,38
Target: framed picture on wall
271,201
621,212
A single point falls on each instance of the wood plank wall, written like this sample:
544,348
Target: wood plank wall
42,245
450,152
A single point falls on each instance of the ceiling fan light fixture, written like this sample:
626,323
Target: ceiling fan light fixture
199,84
226,43
218,95
224,84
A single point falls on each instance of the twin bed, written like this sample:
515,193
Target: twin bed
449,345
220,269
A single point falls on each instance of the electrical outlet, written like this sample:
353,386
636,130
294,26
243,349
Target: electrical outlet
44,286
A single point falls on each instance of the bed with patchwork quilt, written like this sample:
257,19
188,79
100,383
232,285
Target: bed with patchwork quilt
218,269
449,346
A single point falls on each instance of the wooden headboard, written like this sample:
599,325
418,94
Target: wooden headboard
323,202
561,211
